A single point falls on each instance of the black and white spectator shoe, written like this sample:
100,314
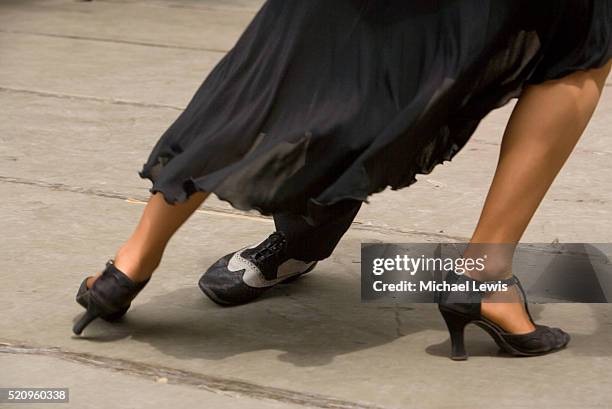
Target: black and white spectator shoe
241,277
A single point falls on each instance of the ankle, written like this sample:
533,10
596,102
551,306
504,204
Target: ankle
492,261
136,264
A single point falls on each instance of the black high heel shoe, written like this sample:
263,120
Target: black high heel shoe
109,298
462,308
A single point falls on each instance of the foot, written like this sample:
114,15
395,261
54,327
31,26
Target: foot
109,299
503,315
512,317
242,276
91,280
507,309
132,263
522,334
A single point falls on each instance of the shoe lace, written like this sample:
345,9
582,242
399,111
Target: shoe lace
273,245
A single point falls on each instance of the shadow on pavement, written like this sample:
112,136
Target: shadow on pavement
311,321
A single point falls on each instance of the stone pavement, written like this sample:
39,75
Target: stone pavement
86,88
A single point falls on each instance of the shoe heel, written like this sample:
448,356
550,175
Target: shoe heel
90,315
456,325
109,298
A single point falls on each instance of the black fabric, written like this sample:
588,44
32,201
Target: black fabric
566,49
308,241
325,101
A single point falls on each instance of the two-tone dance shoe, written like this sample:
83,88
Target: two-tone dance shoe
242,276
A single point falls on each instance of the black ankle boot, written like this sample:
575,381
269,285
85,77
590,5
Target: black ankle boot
462,308
109,298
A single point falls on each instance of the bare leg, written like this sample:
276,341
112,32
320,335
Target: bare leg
141,254
542,132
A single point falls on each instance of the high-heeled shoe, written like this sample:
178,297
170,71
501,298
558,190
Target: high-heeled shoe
108,298
462,308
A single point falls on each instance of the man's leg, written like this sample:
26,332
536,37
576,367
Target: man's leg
291,251
307,242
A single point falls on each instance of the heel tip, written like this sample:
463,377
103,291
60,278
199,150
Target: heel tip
81,324
459,358
78,328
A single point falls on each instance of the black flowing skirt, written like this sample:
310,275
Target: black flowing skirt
322,101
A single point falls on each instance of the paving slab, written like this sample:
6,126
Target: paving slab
197,25
89,387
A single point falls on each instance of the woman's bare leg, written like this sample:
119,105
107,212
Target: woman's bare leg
141,254
542,132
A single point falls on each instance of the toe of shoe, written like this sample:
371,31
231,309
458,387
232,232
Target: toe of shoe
226,287
562,337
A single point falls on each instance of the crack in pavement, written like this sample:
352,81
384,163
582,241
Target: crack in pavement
236,8
367,226
118,195
65,188
217,211
115,41
49,94
215,384
398,322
